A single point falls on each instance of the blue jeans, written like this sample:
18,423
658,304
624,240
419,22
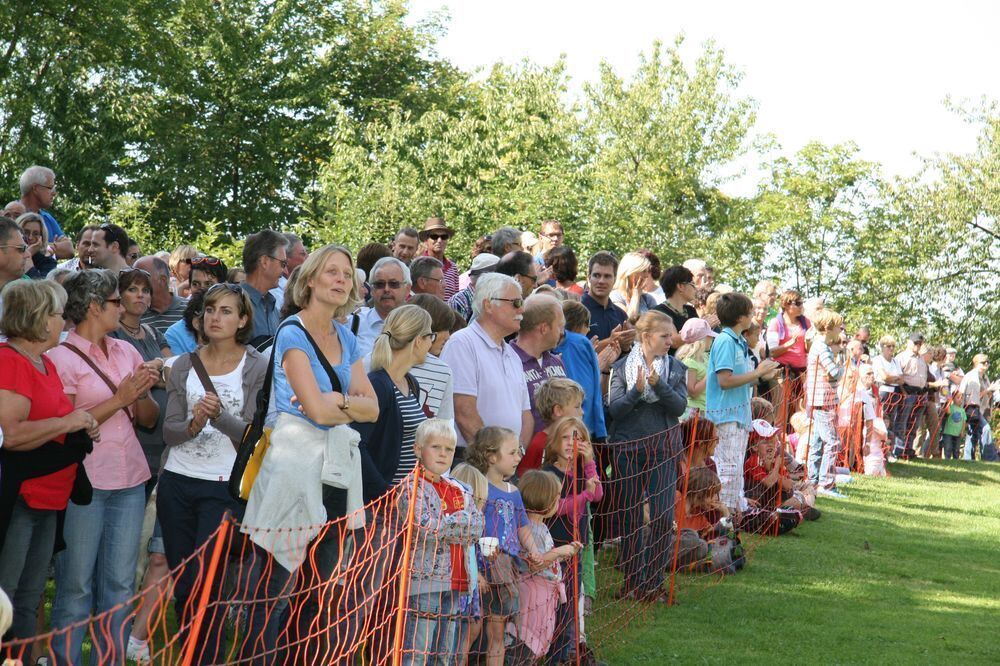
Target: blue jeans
823,447
96,573
24,563
433,627
647,474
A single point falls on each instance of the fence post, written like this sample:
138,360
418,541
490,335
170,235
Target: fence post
213,564
404,578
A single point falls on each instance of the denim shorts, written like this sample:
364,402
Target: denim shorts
501,600
156,541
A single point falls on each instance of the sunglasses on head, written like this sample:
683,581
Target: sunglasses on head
208,261
382,284
228,286
131,269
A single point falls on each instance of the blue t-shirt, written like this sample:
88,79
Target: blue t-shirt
293,337
729,352
504,514
51,226
179,338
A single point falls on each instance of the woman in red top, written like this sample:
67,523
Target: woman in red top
786,343
34,411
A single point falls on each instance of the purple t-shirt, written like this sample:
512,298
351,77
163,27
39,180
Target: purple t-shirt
537,371
489,372
504,514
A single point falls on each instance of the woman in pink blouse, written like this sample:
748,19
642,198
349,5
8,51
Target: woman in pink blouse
786,342
106,377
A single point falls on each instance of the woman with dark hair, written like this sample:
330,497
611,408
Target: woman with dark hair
41,447
108,378
203,426
562,262
679,291
203,273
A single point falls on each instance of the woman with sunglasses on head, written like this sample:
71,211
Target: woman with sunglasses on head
204,272
786,341
109,379
288,496
202,430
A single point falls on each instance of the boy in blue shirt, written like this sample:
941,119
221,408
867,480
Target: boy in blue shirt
730,381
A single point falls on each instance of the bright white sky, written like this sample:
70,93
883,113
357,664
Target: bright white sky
875,72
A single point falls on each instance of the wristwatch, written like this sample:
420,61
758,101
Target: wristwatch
346,404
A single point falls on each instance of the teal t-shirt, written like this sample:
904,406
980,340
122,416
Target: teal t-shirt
729,352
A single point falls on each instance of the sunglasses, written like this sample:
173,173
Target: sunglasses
533,278
283,262
516,302
133,255
115,301
228,286
798,302
382,284
215,261
438,236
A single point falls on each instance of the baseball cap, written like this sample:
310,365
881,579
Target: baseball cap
763,429
483,263
694,330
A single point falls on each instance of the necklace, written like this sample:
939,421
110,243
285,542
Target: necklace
37,360
134,332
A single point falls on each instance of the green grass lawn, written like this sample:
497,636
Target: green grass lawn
906,570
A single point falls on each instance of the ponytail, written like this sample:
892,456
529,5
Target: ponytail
401,327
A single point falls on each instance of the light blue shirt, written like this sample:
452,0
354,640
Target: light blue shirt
265,311
369,328
729,352
179,338
292,337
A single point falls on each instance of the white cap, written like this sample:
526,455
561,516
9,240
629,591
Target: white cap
763,428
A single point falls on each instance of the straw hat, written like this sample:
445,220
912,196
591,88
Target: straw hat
435,224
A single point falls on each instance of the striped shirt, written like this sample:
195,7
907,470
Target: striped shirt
462,303
161,321
822,374
413,416
436,395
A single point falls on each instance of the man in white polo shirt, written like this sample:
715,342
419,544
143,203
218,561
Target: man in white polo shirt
488,377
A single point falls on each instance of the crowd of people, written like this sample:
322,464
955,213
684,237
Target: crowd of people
530,416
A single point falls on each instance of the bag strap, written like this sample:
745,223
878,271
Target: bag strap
264,394
107,380
199,368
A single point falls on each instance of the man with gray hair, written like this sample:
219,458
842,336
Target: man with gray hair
704,275
295,255
427,274
488,378
165,307
390,284
38,189
264,260
506,240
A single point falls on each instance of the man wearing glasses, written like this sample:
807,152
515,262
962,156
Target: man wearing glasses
488,376
390,283
264,261
13,254
550,236
38,189
434,237
521,267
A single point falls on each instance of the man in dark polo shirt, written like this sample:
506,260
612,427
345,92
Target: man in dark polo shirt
606,318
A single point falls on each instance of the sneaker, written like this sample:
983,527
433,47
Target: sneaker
812,513
137,651
842,479
831,492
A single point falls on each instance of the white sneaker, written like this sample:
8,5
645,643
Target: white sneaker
832,493
137,651
842,479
